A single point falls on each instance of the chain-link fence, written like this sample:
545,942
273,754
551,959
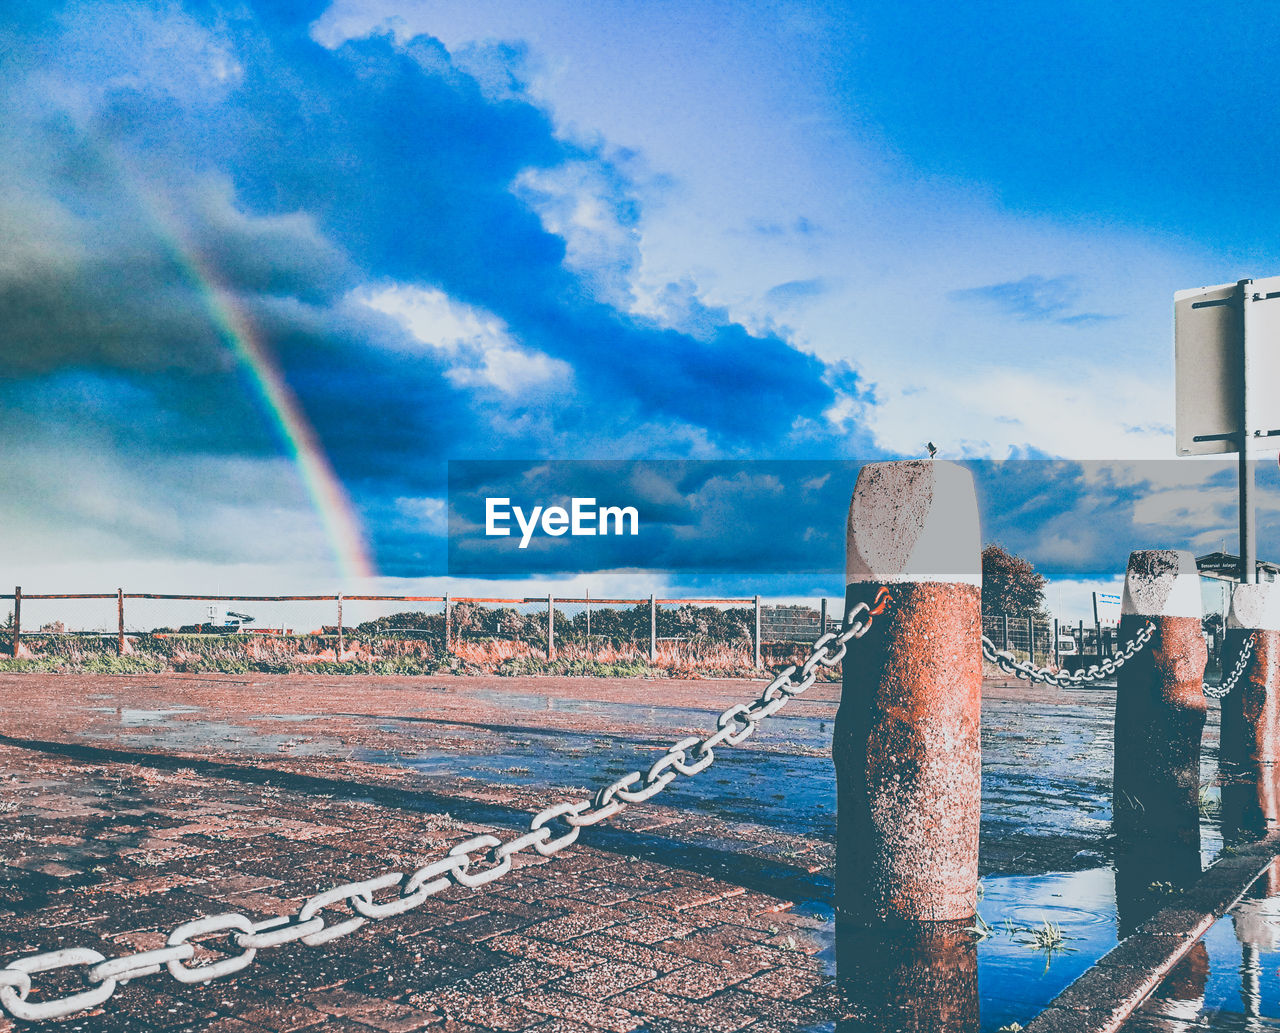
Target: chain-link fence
402,634
1046,640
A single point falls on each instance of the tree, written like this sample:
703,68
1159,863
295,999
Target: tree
1010,585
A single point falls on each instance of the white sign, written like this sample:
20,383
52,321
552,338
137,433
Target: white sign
1210,361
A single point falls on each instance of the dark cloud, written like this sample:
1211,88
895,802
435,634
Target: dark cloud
1035,299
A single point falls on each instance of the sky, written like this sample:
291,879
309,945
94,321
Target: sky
265,269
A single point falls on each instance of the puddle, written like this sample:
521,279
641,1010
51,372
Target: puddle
1231,979
131,717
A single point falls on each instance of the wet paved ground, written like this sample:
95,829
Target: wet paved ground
132,804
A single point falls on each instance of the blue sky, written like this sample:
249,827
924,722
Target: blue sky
611,230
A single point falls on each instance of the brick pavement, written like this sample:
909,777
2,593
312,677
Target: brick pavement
109,850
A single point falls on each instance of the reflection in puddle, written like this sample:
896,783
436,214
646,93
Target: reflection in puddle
1231,978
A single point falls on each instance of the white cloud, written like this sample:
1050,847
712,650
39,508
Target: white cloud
480,351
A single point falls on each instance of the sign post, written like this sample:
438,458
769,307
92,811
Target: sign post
1227,363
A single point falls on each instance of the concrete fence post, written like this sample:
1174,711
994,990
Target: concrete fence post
1251,713
653,629
755,638
120,616
17,618
1160,703
906,740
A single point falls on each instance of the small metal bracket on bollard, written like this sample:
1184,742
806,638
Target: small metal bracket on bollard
906,741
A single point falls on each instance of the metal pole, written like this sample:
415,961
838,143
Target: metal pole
338,655
120,614
588,593
824,616
756,637
1004,620
1057,656
1248,523
653,628
1031,639
446,622
17,618
551,627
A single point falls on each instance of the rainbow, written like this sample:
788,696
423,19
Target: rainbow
236,329
332,504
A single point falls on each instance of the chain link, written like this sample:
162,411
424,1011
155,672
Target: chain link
1030,672
687,757
1222,690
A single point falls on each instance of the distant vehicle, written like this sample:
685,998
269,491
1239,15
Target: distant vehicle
220,622
1067,645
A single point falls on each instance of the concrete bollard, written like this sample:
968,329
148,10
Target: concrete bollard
906,739
1251,712
1250,750
1160,703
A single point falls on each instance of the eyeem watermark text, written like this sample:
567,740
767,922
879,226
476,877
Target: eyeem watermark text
582,519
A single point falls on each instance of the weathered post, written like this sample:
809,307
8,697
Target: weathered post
1160,703
822,617
446,622
1250,749
906,739
120,615
338,655
1160,715
17,618
1251,712
755,637
653,629
551,627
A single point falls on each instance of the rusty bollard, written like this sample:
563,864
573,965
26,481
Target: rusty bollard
1160,703
1251,712
1250,751
1160,715
906,740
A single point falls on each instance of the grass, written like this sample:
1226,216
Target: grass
316,654
1047,938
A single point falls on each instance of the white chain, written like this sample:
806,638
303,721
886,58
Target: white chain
1030,672
472,863
1242,661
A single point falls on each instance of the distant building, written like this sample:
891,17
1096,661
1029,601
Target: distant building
1225,567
